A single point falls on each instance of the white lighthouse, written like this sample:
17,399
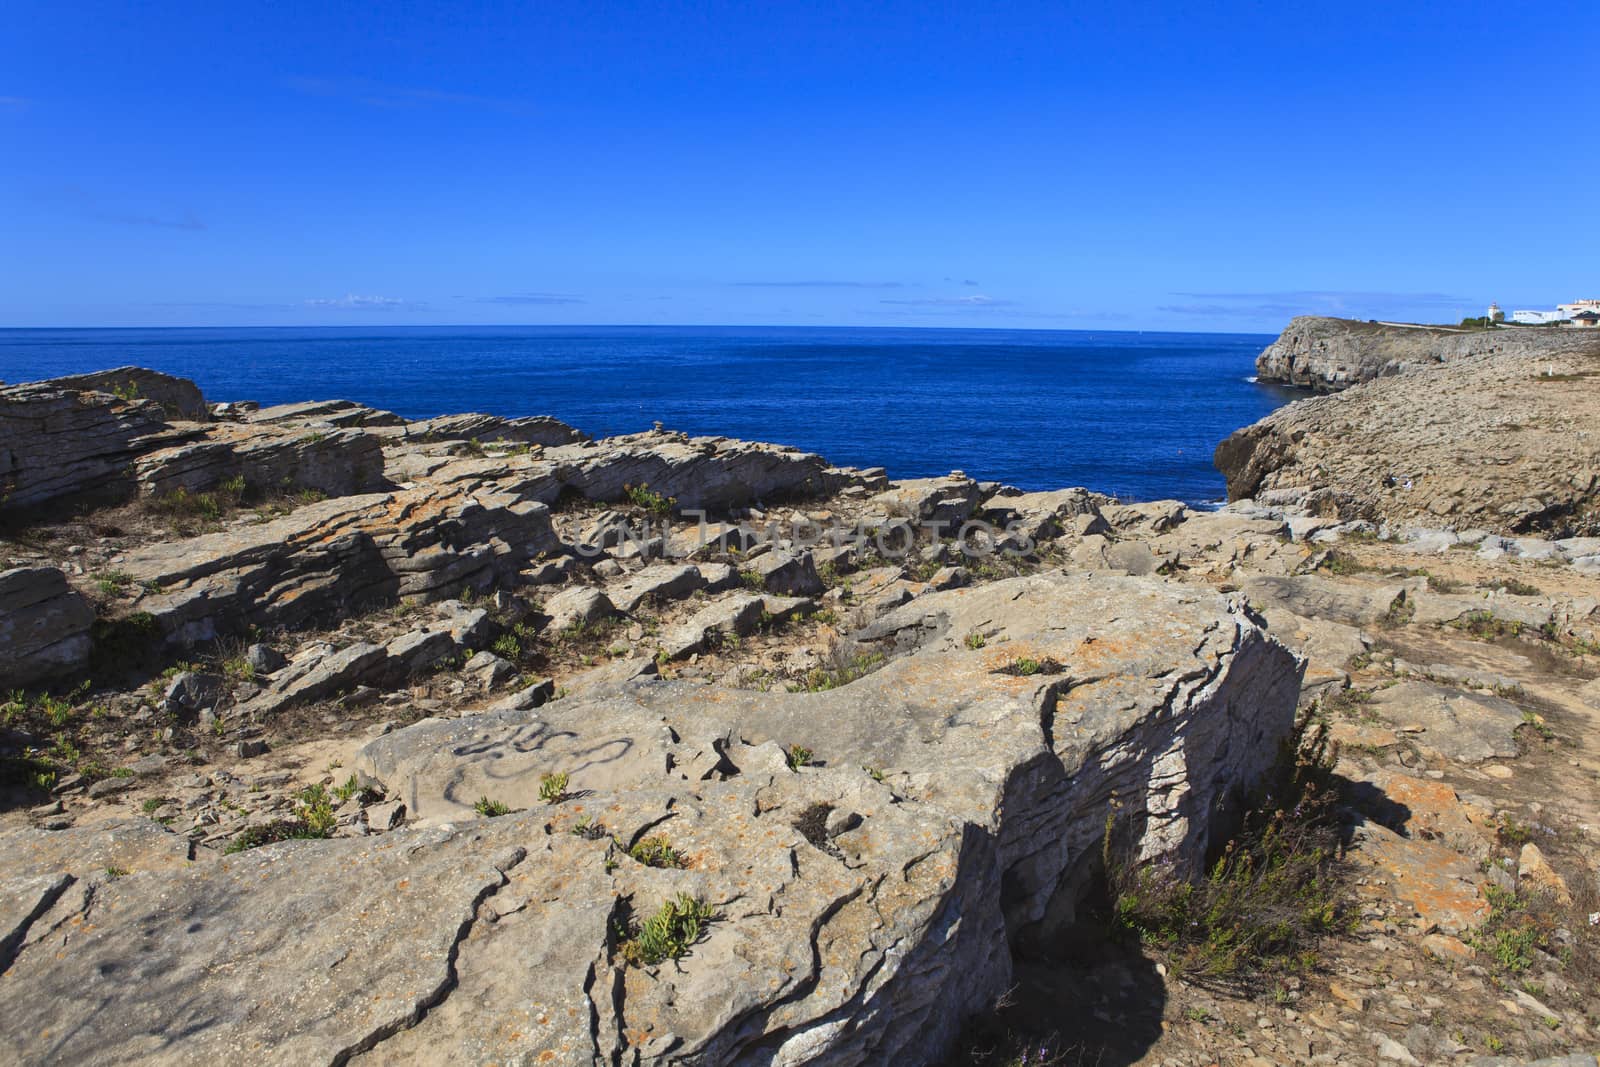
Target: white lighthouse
1495,314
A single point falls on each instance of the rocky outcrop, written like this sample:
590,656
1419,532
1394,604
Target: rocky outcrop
179,398
59,441
327,559
1494,442
336,462
1330,354
492,429
862,904
44,626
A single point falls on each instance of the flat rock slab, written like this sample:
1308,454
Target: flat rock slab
1468,727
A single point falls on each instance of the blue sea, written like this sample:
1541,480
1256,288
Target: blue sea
1134,414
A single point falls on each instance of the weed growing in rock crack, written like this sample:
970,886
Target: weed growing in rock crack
668,934
642,496
590,830
152,805
813,825
1027,666
657,851
490,809
352,789
821,679
975,640
1274,892
314,818
1401,611
753,580
553,787
506,646
1535,722
114,873
798,756
1341,563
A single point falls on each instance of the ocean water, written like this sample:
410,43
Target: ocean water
1135,414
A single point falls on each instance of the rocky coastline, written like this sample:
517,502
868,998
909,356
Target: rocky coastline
334,737
1328,354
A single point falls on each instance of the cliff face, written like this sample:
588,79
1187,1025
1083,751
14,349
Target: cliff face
1331,354
1493,441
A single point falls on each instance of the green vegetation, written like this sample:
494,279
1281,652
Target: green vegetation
642,496
666,935
1512,933
657,851
506,646
313,819
1274,892
490,809
798,756
975,640
820,679
553,787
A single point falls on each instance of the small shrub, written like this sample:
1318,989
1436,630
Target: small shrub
490,809
506,646
1027,666
642,496
589,830
553,787
798,756
975,640
1272,894
315,808
657,851
668,934
1438,583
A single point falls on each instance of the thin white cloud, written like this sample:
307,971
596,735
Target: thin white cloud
357,302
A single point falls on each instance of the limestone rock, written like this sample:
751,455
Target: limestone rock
61,442
666,581
178,398
1487,441
324,559
44,626
579,605
1330,354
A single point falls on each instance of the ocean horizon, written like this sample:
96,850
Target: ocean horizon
1136,414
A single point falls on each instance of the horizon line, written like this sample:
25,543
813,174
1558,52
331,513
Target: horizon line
623,326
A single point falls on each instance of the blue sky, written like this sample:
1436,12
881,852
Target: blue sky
1075,166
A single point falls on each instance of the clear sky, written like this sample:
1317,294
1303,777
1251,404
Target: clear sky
1179,166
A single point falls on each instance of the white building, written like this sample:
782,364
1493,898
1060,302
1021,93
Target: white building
1562,313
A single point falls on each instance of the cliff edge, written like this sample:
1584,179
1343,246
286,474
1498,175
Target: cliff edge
1498,441
1331,354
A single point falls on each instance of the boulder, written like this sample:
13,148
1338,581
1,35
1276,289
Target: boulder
44,626
786,573
580,605
666,581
